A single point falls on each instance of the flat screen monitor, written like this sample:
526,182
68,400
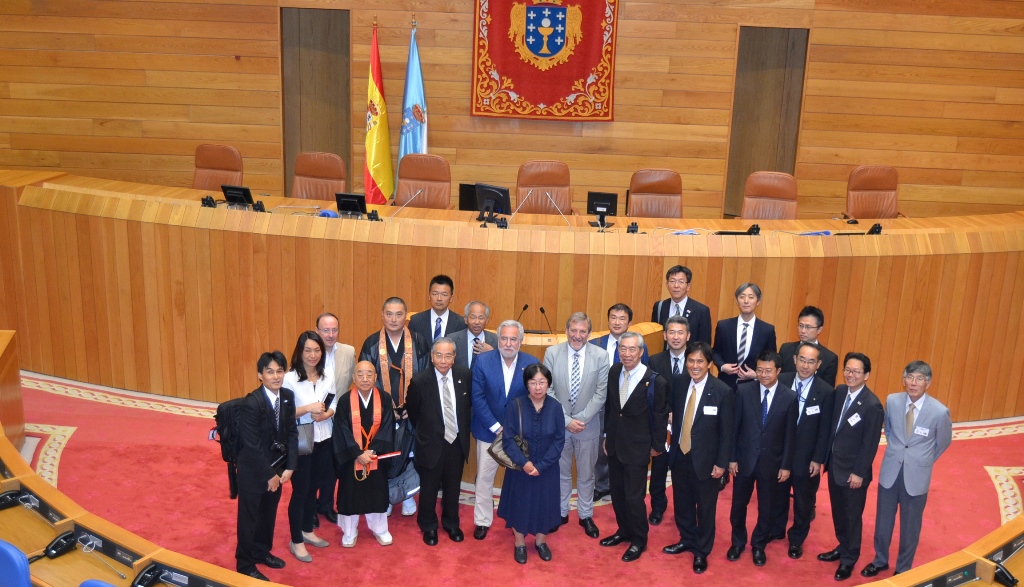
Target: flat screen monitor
467,197
350,204
496,197
236,194
602,204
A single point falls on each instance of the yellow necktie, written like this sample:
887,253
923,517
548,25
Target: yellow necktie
910,421
691,407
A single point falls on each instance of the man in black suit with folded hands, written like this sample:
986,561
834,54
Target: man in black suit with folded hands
816,400
738,341
856,429
808,328
268,456
700,448
439,404
679,303
636,420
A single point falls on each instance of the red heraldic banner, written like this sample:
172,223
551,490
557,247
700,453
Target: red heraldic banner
544,59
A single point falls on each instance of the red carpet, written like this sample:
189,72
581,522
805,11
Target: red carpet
154,473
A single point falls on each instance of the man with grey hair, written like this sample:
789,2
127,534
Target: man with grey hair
580,383
497,380
473,340
739,340
918,430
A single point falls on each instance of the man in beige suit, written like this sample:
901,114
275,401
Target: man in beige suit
339,360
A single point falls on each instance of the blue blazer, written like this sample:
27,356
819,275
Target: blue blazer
489,400
724,351
602,341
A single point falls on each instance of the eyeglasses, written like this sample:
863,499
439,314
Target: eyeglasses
916,378
440,294
852,372
807,327
806,361
444,356
329,330
678,282
765,371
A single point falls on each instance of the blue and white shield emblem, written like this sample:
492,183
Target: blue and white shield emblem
545,29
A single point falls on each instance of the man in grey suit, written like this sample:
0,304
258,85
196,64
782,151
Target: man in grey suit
580,383
473,340
918,430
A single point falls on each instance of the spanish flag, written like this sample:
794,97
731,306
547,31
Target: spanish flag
378,177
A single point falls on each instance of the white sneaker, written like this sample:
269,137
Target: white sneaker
383,539
409,507
349,541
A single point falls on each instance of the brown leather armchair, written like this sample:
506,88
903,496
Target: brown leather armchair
769,195
871,192
544,177
655,193
429,173
318,176
217,165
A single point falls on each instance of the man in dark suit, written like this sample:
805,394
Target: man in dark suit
620,317
856,429
636,418
473,340
700,449
266,430
497,380
808,327
678,280
816,399
765,413
439,320
670,364
738,341
439,405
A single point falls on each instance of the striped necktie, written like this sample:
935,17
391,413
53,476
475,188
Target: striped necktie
741,349
450,426
574,379
437,328
277,413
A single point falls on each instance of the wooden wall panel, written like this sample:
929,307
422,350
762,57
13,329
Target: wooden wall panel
12,412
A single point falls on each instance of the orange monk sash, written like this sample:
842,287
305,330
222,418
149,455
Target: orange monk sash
386,366
359,434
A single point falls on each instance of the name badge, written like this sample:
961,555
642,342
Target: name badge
710,410
811,410
921,431
854,419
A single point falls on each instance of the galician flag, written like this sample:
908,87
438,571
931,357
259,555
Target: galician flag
378,177
414,105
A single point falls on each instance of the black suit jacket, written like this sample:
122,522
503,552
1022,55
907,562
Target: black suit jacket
629,433
812,430
423,323
852,447
258,434
829,362
661,363
696,313
769,448
425,407
724,351
711,436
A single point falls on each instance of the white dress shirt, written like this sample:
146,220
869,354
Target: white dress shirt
583,357
635,377
750,333
509,371
771,394
802,397
698,388
919,404
433,322
681,304
306,392
329,359
682,361
610,346
449,389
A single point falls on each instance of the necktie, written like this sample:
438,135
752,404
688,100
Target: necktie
691,407
624,388
677,310
469,358
741,350
764,408
450,427
615,354
910,421
842,414
803,398
574,385
277,413
437,328
675,366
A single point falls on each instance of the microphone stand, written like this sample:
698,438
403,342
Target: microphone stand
528,194
525,306
407,202
567,223
545,314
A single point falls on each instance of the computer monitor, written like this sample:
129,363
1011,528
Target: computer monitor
236,194
467,197
602,204
351,204
491,200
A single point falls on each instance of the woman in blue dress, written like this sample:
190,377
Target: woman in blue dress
529,498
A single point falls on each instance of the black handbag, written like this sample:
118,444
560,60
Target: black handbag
497,450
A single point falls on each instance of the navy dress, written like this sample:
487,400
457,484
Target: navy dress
530,505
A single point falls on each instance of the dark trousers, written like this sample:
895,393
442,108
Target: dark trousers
659,479
627,484
302,505
257,513
805,495
325,476
695,503
847,514
742,488
601,466
446,476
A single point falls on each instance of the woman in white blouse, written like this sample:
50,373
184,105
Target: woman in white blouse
313,405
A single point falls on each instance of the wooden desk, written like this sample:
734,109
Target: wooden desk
180,563
916,577
31,530
12,412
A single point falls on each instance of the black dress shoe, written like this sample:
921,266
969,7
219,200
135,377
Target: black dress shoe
894,573
331,515
520,554
655,518
565,520
677,548
480,532
759,556
599,495
871,570
255,574
544,551
830,556
632,553
590,527
430,537
272,561
700,564
456,535
734,553
613,540
795,551
843,572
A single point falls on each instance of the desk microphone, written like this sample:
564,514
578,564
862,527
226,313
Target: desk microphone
525,306
545,314
552,200
528,194
407,202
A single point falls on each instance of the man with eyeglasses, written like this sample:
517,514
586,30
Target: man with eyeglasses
439,320
918,430
853,444
339,359
439,404
679,303
809,325
815,402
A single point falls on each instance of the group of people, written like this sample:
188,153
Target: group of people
772,421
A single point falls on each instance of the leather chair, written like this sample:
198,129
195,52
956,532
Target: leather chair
318,176
429,173
871,192
217,165
540,177
655,193
13,566
769,195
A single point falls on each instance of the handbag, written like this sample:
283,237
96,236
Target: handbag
497,450
305,438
